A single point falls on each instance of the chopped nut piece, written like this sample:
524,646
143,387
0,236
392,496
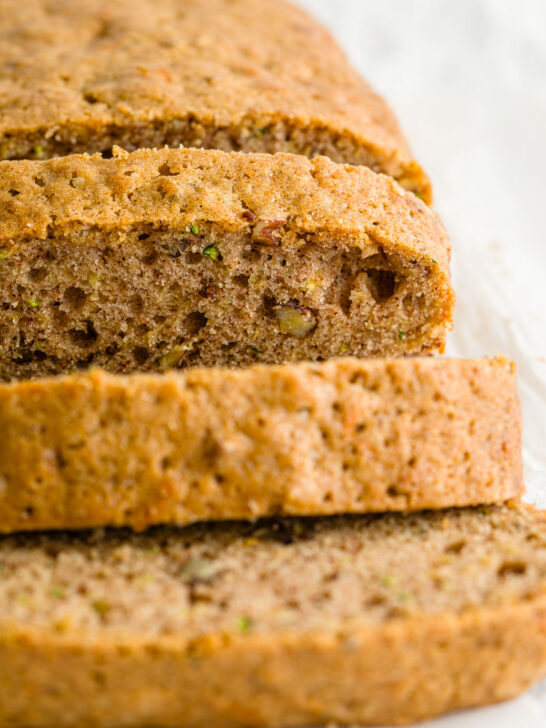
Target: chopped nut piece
199,570
248,215
295,320
267,232
208,290
172,358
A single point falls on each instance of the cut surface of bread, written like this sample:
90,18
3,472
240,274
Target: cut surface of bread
372,620
82,77
347,435
160,259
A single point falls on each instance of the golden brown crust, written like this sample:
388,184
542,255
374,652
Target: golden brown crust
212,73
398,674
309,439
98,254
136,657
183,187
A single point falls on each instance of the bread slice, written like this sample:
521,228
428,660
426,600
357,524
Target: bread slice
373,620
167,258
308,439
204,73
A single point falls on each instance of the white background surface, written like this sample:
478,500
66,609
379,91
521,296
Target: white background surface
467,79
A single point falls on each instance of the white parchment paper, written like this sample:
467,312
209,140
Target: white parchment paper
467,79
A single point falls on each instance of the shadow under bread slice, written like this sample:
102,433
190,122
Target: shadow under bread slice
161,259
204,73
368,620
218,444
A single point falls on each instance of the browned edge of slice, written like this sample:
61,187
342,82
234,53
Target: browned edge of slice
135,656
308,439
402,674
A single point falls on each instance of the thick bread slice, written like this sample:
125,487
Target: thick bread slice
368,620
81,77
308,439
168,258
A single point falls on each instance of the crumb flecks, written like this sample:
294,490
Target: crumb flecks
244,577
123,266
294,622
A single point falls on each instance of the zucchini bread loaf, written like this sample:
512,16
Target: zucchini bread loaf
310,439
160,259
373,620
81,77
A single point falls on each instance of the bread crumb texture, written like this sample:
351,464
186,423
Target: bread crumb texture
365,619
161,259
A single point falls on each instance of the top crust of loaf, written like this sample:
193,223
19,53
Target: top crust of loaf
219,72
182,187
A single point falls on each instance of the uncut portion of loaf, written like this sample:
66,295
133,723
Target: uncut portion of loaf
373,620
309,439
81,77
160,259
